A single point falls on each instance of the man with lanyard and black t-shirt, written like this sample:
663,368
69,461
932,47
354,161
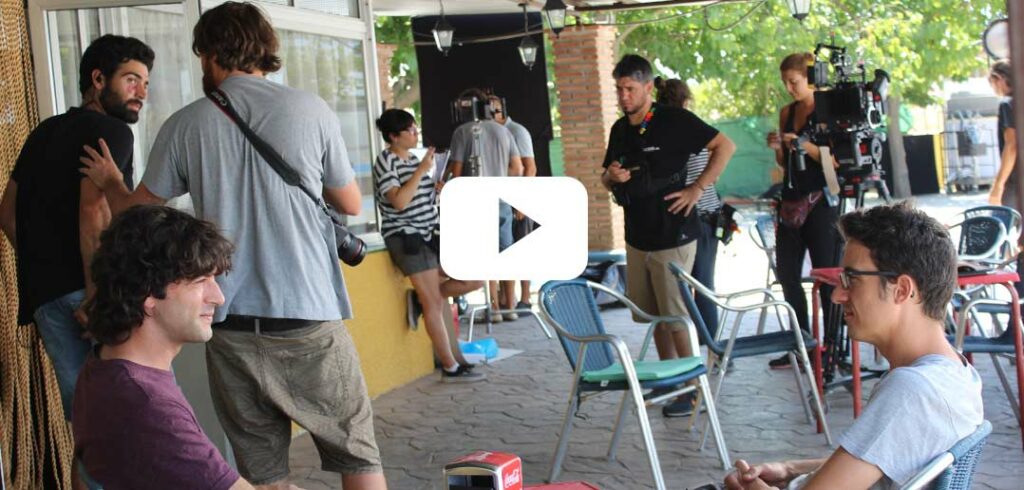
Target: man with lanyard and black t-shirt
645,167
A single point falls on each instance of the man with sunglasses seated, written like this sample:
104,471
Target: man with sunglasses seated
899,271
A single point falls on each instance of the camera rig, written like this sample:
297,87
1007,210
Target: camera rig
471,109
848,110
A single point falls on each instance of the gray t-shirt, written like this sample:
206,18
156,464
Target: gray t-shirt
285,263
522,136
914,414
497,147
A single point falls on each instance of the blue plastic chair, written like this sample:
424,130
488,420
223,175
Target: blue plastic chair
954,469
794,342
602,363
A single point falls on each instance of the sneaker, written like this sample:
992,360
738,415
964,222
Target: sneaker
413,309
524,306
462,375
510,317
496,318
780,362
682,407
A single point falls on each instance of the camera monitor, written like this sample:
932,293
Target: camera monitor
840,108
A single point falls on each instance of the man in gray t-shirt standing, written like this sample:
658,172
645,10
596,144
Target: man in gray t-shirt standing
521,225
899,271
279,350
499,157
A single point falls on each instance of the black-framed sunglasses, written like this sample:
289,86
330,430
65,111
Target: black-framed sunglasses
846,276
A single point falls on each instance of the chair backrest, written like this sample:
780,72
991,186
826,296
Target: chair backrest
966,455
683,280
573,311
954,469
1008,216
981,236
764,228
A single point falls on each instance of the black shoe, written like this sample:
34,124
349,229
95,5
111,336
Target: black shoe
462,304
413,309
780,362
682,407
524,306
462,375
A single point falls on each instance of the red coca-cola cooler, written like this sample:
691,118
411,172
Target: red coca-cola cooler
484,470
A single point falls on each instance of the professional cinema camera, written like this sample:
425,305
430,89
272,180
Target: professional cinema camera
473,109
848,110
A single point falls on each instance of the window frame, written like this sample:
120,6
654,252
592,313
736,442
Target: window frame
47,69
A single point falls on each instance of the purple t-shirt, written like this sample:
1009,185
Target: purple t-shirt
134,429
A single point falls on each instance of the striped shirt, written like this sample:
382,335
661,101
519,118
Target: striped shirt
709,201
420,215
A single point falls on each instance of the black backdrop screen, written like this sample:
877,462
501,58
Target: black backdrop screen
493,66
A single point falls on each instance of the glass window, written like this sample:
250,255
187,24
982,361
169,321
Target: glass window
162,27
348,8
333,68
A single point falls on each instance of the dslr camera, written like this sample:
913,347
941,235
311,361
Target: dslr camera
848,108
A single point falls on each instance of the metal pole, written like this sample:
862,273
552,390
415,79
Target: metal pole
1015,13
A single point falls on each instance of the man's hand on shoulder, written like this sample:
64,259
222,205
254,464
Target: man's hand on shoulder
100,167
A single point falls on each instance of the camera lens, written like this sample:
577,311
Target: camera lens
351,249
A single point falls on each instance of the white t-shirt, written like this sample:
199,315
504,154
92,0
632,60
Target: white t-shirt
914,414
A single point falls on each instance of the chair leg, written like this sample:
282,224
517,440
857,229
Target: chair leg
818,407
716,428
563,438
623,406
645,429
543,326
800,388
1006,386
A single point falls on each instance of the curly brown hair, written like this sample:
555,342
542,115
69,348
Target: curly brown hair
146,249
238,36
673,92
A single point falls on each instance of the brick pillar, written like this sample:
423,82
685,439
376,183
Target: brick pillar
584,59
384,54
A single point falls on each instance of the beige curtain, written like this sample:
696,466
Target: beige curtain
34,439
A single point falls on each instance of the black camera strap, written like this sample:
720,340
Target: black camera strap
273,158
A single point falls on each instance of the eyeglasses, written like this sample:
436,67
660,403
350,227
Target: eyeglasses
846,276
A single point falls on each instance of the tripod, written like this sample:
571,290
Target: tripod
836,340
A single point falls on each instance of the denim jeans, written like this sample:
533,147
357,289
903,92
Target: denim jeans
704,271
504,226
62,339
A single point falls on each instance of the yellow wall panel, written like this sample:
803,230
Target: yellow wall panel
391,354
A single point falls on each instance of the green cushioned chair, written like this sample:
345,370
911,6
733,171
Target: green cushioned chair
602,363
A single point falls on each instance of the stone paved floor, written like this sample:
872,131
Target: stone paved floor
425,424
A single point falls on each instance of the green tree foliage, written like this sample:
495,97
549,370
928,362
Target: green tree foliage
405,71
732,50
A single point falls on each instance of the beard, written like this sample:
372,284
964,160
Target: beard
117,107
208,85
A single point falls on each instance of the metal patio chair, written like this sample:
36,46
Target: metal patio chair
602,363
1011,220
953,469
794,342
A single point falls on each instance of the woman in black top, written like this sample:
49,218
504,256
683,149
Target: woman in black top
814,229
1004,189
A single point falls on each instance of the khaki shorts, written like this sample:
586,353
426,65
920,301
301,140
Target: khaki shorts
262,382
652,286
